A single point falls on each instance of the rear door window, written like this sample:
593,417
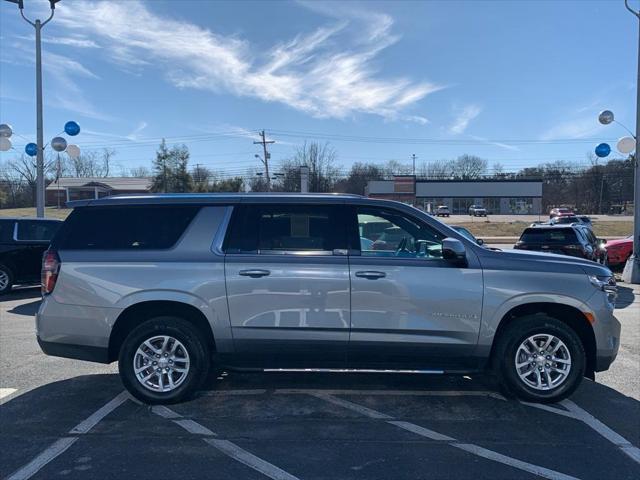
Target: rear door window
37,230
145,227
277,229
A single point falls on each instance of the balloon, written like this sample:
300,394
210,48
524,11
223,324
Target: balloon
626,145
5,144
606,117
603,150
5,130
59,144
31,149
71,128
73,151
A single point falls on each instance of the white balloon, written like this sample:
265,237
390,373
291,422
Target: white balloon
626,145
73,151
5,144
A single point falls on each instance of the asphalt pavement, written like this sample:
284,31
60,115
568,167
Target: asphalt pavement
69,419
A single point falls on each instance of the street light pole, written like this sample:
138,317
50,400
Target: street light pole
631,272
37,25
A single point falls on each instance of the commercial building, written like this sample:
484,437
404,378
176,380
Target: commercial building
497,196
67,189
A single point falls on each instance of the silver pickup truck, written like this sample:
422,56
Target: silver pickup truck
172,286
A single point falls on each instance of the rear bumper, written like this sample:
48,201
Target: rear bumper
77,352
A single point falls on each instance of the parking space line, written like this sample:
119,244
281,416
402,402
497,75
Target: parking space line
61,445
352,406
418,393
256,391
467,447
578,413
5,392
225,446
250,460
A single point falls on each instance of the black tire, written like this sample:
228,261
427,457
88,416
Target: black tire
4,270
192,340
506,351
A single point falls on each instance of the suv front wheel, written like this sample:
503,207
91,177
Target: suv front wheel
539,359
6,279
164,360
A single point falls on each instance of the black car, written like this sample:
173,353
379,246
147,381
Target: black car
574,240
22,243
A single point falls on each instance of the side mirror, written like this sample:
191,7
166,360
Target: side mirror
602,240
480,241
453,250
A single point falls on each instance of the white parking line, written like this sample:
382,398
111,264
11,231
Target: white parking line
225,446
417,393
250,460
5,392
62,444
577,413
467,447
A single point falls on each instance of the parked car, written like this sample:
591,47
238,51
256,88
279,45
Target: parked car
477,211
574,240
22,243
565,220
560,211
619,251
172,286
442,211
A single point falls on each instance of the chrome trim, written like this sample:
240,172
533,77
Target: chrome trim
351,370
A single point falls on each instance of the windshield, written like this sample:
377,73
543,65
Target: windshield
549,235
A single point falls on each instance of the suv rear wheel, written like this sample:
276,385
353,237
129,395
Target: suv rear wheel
163,360
6,279
539,359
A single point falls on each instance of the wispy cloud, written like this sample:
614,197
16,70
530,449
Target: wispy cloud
463,118
505,146
79,41
573,129
135,134
327,72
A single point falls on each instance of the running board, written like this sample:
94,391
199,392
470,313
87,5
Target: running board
351,370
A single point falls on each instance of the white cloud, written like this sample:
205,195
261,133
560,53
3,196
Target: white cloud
327,72
79,41
505,146
135,134
573,129
463,119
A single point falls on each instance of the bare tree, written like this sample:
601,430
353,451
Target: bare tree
320,158
140,172
437,169
468,167
90,164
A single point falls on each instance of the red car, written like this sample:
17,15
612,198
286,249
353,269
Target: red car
561,212
618,251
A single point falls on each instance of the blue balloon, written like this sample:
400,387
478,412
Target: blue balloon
31,149
603,150
71,128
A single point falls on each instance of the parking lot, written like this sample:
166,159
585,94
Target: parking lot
69,419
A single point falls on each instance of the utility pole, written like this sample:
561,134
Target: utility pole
413,158
37,25
265,158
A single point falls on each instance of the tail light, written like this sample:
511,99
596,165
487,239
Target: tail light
50,269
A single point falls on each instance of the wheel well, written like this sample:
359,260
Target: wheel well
571,316
134,315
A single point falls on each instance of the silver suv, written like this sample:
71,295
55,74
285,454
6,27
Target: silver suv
173,286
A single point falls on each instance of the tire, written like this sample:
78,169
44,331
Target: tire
6,279
509,350
190,345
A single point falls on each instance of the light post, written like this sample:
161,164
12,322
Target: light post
38,24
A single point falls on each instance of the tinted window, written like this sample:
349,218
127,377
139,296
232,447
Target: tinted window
125,228
6,230
403,237
549,235
285,228
37,231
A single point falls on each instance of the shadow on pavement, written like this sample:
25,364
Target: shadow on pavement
28,309
21,293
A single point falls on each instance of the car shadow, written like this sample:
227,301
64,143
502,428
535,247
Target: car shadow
21,293
27,309
625,297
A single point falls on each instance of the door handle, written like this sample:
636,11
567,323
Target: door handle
370,274
254,273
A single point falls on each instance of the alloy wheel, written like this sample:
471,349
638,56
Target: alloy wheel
161,363
543,361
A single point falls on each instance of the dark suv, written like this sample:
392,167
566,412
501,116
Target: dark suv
575,240
22,243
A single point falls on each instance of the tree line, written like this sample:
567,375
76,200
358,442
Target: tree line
595,188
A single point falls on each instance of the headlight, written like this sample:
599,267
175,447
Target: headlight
606,283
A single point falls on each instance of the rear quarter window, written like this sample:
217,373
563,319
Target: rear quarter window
37,230
148,227
6,230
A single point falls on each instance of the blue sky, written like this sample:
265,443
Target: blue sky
516,82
